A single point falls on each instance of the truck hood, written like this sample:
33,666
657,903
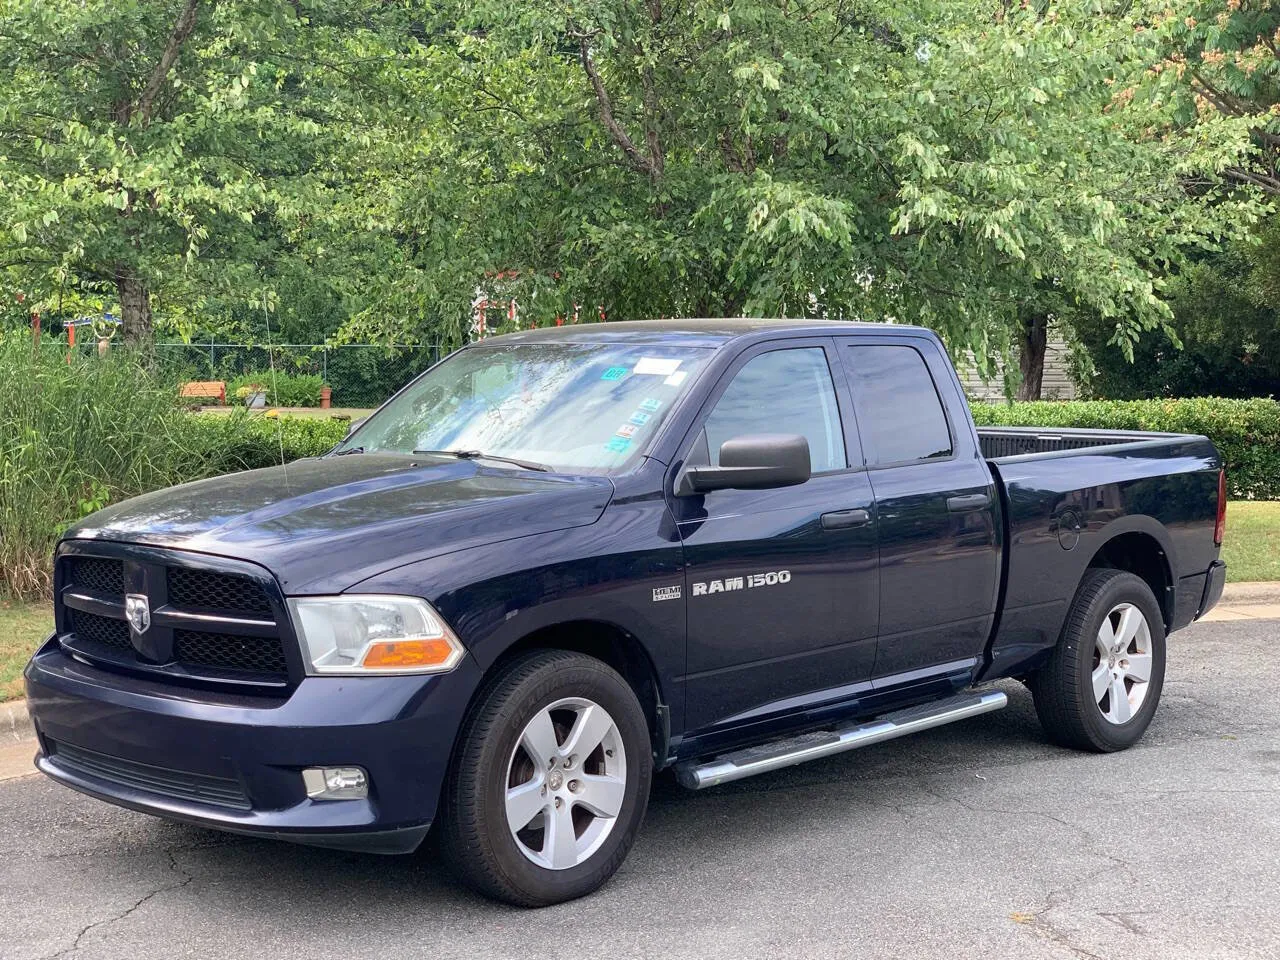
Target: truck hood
323,525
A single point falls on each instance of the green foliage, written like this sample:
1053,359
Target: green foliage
946,163
282,389
74,436
243,441
1246,432
1224,338
362,170
1220,79
178,149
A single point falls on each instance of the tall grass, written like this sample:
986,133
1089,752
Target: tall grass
73,437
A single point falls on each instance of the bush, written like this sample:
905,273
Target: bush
75,436
282,389
241,441
1246,432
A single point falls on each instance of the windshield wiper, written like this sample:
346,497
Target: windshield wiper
349,450
481,455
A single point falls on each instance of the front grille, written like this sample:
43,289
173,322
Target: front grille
212,643
97,574
213,590
167,782
229,652
106,631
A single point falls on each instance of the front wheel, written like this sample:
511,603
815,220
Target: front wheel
1102,684
550,780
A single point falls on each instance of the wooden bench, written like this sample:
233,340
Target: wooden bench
207,390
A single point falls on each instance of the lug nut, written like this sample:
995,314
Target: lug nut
559,803
574,786
568,763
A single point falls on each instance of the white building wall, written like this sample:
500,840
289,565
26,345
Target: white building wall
1056,385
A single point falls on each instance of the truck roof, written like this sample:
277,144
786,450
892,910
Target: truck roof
709,331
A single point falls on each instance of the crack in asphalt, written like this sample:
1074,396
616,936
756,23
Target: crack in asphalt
107,921
1123,919
1039,920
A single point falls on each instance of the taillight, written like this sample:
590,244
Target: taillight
1220,528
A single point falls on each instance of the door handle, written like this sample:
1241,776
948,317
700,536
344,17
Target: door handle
842,519
972,501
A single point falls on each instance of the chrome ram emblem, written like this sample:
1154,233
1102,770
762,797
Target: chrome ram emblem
138,612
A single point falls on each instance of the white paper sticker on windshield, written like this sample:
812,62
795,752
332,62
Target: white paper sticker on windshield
676,378
656,366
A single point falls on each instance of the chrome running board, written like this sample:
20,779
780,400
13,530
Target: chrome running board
777,754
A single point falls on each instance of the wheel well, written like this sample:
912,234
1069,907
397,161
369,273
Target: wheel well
621,651
1141,555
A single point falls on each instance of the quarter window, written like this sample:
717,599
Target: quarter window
899,414
783,391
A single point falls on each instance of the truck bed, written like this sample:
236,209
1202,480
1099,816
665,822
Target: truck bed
1002,443
1066,492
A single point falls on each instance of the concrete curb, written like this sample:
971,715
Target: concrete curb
1247,594
15,722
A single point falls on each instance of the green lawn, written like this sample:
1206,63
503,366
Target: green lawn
1252,552
1252,545
22,627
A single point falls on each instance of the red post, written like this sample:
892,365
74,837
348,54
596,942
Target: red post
71,340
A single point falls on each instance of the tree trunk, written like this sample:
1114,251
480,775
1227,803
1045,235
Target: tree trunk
135,306
1034,338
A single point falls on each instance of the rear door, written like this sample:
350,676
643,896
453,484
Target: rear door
936,509
781,584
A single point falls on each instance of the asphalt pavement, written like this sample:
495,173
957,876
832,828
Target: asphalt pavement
974,840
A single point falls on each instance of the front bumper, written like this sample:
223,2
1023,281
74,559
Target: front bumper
234,761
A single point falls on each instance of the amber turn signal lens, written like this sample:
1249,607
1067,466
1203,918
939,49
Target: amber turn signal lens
398,654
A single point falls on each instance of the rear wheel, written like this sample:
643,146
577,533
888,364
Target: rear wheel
550,781
1102,684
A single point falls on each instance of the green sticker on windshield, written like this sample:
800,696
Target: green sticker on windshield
618,445
614,373
650,404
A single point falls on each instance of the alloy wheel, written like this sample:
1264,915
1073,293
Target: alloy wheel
1122,663
566,783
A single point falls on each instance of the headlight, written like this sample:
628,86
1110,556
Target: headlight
362,634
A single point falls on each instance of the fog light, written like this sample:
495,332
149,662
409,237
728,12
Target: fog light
336,783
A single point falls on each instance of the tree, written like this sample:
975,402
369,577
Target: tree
1221,71
923,162
1224,339
173,149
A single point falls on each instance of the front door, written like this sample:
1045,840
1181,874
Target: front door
782,584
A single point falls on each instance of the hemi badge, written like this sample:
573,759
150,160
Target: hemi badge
666,593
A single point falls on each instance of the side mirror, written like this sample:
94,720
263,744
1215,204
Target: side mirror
354,425
754,462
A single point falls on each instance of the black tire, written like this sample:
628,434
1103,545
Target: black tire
474,832
1062,689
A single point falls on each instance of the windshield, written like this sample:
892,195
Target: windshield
575,407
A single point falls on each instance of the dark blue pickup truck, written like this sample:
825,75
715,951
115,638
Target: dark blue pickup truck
562,559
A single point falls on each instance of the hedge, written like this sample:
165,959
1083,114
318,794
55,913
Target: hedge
281,389
1246,432
240,441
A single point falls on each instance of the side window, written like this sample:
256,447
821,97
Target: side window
784,391
899,413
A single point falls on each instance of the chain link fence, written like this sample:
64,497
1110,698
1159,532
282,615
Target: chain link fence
358,374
